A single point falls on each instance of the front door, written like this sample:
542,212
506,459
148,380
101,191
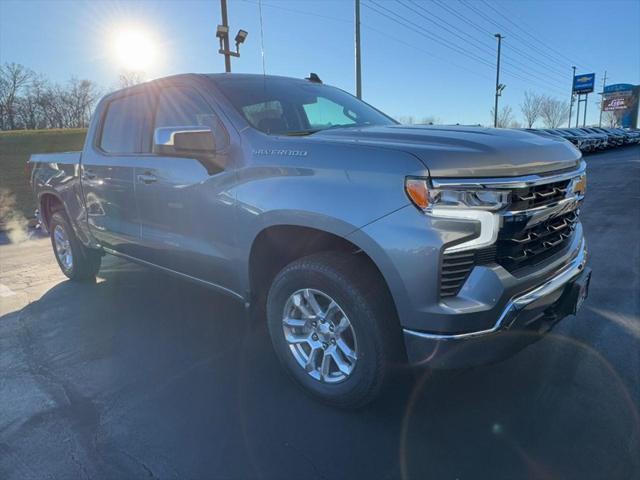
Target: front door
186,211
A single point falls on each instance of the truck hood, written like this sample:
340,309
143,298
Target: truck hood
465,151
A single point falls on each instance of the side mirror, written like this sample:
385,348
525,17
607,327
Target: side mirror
190,141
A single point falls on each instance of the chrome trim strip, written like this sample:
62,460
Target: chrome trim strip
165,136
179,274
509,182
564,276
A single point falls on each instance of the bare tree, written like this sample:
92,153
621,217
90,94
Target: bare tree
553,112
13,79
129,78
505,116
611,119
406,119
78,98
531,107
429,120
29,106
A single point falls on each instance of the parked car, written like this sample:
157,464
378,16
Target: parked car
630,136
613,138
583,143
364,242
601,141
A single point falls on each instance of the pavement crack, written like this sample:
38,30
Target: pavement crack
144,466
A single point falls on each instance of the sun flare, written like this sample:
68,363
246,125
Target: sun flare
134,49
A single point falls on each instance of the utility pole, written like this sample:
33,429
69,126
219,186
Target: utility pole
223,35
225,40
604,85
584,120
499,87
357,42
572,95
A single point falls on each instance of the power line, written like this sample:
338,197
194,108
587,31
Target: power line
376,30
558,53
488,33
502,27
474,40
421,31
397,18
300,12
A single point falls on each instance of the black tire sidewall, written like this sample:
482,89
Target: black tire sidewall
58,218
86,262
320,276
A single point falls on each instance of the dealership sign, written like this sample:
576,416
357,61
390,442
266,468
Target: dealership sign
616,103
623,100
584,83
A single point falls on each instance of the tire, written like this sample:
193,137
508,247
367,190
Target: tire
76,261
373,332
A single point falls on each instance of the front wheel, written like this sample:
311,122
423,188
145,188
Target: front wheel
76,261
333,327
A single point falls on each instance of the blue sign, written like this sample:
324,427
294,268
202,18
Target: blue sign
584,83
618,87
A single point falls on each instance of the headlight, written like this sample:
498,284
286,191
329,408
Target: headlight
476,205
428,199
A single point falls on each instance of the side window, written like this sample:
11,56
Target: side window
183,106
325,113
126,126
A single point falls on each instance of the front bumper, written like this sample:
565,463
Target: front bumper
523,319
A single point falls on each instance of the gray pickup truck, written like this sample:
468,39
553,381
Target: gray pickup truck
364,243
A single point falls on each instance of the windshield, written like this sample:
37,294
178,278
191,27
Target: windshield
285,106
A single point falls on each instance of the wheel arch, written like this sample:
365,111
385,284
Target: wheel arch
278,245
50,202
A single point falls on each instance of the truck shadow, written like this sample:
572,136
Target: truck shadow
175,373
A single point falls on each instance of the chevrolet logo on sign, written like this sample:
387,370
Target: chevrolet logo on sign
584,83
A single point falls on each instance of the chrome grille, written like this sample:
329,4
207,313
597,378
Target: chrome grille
538,223
529,246
538,195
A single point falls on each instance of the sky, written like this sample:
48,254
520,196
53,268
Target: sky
421,58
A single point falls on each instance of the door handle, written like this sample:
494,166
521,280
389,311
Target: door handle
89,175
147,178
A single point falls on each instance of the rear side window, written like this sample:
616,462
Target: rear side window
127,125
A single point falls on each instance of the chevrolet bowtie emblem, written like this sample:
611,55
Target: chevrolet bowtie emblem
580,185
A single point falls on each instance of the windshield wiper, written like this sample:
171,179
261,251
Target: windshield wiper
311,131
300,133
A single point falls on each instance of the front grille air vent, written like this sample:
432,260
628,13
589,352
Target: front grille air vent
455,270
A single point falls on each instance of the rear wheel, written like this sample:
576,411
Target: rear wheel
333,327
75,260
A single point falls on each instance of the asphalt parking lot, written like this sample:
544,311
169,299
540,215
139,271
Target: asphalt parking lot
145,376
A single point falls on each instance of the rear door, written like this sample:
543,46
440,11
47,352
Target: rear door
186,211
108,170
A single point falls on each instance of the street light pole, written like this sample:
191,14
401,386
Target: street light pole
357,45
498,87
225,40
222,32
572,95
